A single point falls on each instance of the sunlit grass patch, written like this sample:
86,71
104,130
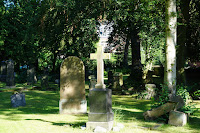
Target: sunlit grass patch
41,114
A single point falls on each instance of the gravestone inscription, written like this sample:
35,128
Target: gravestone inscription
72,86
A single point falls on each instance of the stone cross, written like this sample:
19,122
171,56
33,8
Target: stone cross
99,56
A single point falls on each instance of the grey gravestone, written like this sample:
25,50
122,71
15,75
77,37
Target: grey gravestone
150,91
10,79
18,100
117,80
72,86
3,71
93,81
177,118
31,76
45,80
100,105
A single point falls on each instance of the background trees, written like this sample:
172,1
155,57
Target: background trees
42,33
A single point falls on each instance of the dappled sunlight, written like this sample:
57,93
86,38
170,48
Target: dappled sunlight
42,109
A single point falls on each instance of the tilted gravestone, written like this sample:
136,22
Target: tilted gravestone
10,79
72,87
18,99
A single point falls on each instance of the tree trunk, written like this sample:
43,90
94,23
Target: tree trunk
170,62
125,61
182,40
136,71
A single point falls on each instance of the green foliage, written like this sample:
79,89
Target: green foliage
183,92
118,114
163,96
21,77
189,107
196,94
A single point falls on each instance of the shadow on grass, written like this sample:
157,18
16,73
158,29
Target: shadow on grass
194,123
73,124
130,108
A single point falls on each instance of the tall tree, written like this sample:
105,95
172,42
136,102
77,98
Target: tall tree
171,41
138,21
182,39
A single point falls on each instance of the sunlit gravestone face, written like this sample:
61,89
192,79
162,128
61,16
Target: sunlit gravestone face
72,86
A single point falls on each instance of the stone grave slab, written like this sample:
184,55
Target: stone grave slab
177,118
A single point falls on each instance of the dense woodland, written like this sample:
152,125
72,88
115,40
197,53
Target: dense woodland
41,33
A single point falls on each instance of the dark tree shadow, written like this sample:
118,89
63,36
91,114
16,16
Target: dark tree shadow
72,125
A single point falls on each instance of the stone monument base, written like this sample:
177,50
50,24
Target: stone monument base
72,106
100,109
107,125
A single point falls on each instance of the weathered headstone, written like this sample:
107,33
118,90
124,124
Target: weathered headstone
31,79
177,118
100,97
10,79
72,87
93,81
150,91
117,80
3,71
45,79
18,99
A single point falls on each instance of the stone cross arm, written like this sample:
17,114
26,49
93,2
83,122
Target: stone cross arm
93,56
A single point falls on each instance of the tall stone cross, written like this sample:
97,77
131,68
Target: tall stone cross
99,56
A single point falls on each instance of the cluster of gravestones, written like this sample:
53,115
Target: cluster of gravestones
72,94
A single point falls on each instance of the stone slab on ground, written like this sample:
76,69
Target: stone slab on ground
163,109
177,118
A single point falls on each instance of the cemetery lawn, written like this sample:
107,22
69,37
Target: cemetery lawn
41,115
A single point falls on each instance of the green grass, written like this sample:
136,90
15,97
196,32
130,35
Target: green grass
41,115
